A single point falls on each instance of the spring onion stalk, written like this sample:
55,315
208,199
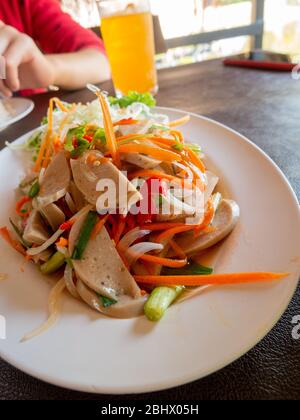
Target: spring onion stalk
34,190
54,264
193,269
160,300
85,235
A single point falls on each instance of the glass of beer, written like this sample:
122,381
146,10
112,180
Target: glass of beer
127,30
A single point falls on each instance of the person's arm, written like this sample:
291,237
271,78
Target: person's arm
70,46
74,70
73,55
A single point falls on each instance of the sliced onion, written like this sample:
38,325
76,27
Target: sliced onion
190,177
136,251
70,203
131,237
54,310
41,175
49,242
70,281
57,234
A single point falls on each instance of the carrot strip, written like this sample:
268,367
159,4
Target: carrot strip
131,136
20,204
126,121
195,159
4,232
209,215
169,233
161,226
159,154
218,279
180,121
120,230
179,251
99,226
166,262
59,104
148,173
109,131
176,133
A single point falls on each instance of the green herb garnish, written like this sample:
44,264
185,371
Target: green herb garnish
125,101
34,190
85,235
107,302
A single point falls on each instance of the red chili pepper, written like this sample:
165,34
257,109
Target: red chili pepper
148,204
66,226
88,138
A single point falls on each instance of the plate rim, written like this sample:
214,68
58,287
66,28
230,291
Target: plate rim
20,116
180,381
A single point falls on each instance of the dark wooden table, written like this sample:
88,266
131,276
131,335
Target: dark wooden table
265,107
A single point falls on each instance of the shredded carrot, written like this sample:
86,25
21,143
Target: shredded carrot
161,226
195,159
155,152
126,121
169,233
59,104
4,232
131,137
63,242
99,226
180,121
166,262
109,131
177,134
148,173
218,279
119,231
209,215
143,292
178,250
20,204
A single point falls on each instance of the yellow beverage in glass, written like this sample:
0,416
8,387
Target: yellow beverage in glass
129,41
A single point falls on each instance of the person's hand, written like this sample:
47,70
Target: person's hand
26,67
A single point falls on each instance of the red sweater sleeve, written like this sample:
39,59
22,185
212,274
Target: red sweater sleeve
56,32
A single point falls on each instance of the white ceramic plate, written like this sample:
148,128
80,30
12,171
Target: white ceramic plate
18,108
88,352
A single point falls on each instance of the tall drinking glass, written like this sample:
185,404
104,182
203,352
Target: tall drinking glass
127,30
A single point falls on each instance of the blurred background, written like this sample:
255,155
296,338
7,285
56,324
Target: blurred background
189,31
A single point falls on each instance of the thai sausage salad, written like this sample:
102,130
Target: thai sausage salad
122,263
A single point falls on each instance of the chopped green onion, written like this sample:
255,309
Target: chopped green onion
107,302
194,147
178,146
34,190
192,269
159,127
100,135
54,264
160,300
85,235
